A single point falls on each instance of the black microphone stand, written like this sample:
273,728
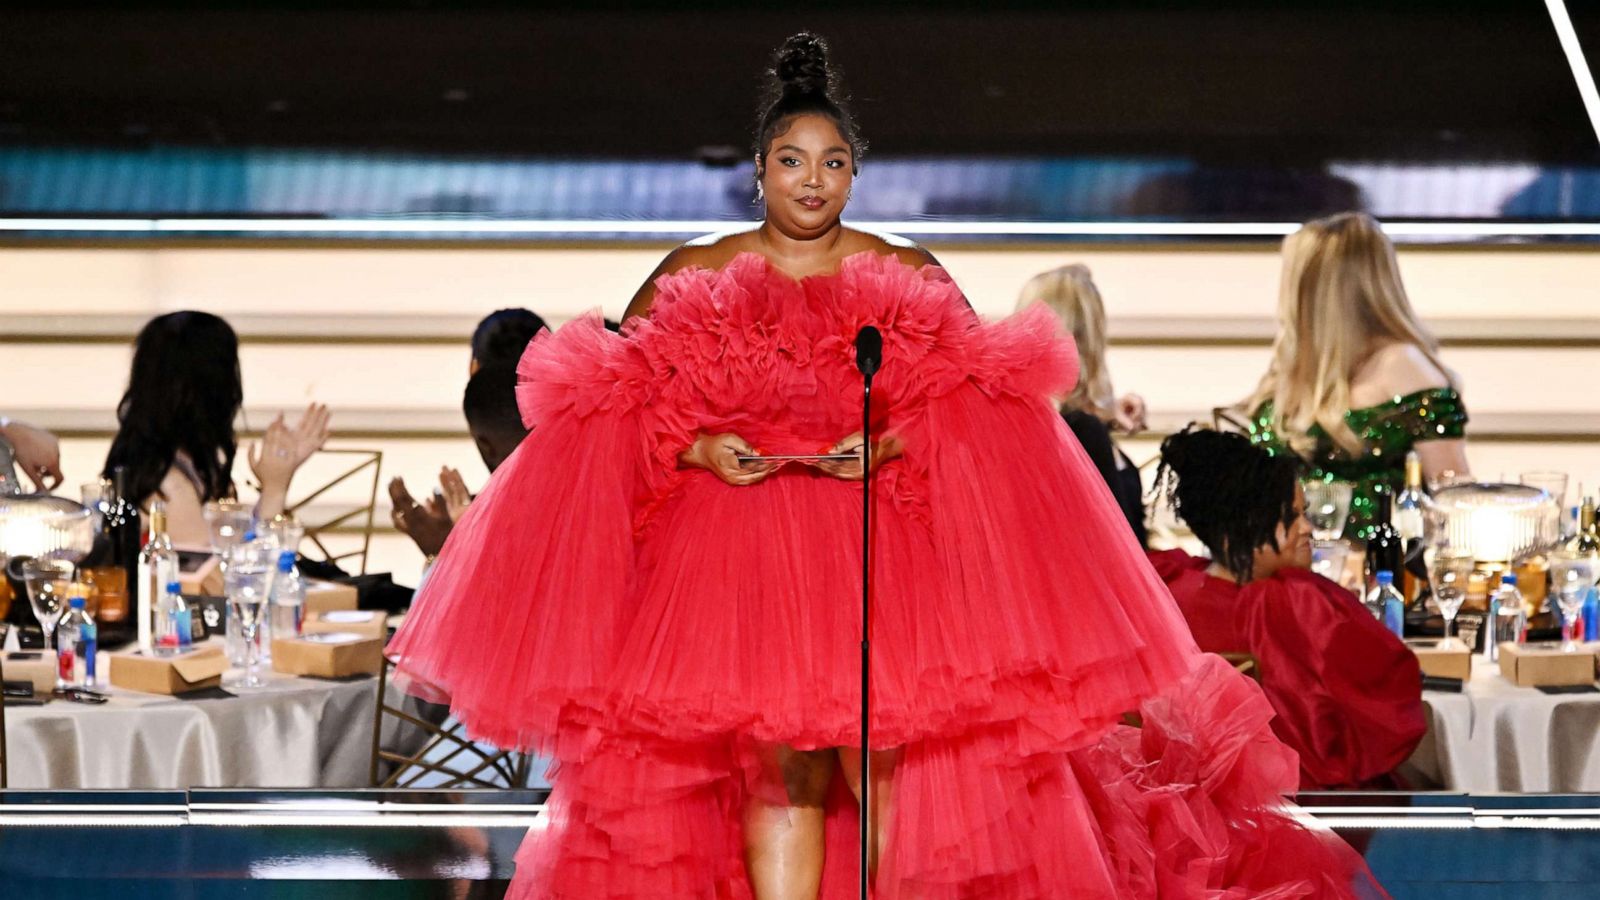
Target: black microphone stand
869,355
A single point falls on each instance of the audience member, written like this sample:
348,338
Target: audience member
490,405
175,437
1347,692
502,335
1356,379
1092,407
34,451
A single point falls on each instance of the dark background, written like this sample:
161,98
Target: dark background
1260,83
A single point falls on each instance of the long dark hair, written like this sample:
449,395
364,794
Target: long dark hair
183,394
1232,494
803,82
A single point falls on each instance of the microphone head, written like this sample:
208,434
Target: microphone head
869,350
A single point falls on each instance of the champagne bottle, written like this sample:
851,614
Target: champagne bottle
158,566
1587,540
117,580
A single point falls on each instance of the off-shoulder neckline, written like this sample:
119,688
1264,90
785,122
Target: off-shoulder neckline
845,262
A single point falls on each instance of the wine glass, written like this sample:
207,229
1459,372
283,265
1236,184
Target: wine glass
1449,571
1572,574
1328,559
247,582
1327,507
48,581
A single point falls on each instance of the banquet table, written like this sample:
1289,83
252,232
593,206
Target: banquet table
1497,737
295,732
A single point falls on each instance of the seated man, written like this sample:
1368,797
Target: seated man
490,405
1348,694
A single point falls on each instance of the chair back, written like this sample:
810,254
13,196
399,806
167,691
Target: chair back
427,747
325,523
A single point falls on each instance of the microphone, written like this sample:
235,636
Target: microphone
869,351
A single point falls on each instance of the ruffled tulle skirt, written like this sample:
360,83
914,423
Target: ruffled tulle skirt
658,631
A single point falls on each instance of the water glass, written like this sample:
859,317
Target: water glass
1329,558
47,582
1571,576
247,584
1449,572
1327,507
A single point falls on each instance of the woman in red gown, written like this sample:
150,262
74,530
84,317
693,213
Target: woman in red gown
681,631
1347,693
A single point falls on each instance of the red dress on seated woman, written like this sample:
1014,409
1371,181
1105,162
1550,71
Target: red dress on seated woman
655,629
1347,692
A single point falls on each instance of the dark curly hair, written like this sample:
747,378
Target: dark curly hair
1232,494
502,335
802,82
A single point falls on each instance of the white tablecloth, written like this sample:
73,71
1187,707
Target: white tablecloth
296,732
1497,737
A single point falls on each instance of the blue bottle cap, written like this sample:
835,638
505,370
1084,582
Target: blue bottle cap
1385,577
174,588
1509,578
285,560
77,603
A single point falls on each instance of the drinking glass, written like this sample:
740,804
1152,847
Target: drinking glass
229,521
1328,559
48,581
1571,576
247,583
1327,507
1449,571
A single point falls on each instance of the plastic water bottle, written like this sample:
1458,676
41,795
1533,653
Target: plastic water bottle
1591,615
1394,609
77,642
1506,616
174,627
1377,601
288,598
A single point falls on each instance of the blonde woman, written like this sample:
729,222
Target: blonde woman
1092,408
1356,380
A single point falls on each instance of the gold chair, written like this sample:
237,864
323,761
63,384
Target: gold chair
368,461
1245,663
441,750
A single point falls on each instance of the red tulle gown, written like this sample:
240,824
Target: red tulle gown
1347,693
655,629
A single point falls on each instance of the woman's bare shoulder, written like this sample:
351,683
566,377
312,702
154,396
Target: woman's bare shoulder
710,252
885,244
1395,370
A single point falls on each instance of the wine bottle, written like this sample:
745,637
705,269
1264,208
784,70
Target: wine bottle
158,566
1385,553
117,580
1409,520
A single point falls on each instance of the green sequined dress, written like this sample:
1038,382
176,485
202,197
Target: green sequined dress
1389,430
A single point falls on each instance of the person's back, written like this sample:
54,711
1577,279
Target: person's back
1347,693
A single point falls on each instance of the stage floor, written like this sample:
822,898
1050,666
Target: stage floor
422,844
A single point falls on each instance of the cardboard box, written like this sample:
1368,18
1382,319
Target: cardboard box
1454,661
1544,664
36,666
331,654
196,670
322,596
372,623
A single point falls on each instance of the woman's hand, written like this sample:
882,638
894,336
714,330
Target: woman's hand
719,454
1130,414
887,448
282,450
38,453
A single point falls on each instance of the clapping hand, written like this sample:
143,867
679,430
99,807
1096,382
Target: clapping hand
427,525
38,453
454,491
1130,414
282,450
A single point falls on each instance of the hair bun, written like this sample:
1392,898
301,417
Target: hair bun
802,65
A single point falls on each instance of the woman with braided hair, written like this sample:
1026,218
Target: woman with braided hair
679,622
1347,693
